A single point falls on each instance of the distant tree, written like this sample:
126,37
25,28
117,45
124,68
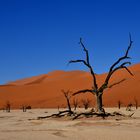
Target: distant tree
24,108
136,103
67,95
129,106
96,90
75,103
68,112
119,104
28,107
86,103
58,108
8,106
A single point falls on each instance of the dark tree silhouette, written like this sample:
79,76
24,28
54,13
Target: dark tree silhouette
68,112
28,107
8,106
68,96
86,103
58,108
129,106
24,108
136,103
75,103
119,104
98,91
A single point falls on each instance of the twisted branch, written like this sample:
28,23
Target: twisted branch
113,68
83,91
86,63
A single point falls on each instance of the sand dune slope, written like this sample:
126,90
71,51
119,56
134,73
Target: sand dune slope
45,90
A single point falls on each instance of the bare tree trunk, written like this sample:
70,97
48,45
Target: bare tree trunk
69,106
119,104
8,106
99,104
86,103
68,96
24,108
98,91
136,103
75,103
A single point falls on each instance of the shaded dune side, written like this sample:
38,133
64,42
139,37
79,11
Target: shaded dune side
38,81
45,90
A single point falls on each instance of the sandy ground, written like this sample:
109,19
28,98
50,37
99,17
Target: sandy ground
19,125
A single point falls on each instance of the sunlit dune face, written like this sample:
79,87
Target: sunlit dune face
46,90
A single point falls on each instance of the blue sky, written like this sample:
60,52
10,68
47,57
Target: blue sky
39,36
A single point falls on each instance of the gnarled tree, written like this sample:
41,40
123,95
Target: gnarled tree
68,96
75,103
86,103
97,91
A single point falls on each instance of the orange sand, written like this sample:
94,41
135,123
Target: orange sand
45,90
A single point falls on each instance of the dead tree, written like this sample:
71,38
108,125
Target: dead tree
68,96
96,90
119,104
68,112
86,103
8,106
24,108
129,106
28,107
75,103
58,108
136,103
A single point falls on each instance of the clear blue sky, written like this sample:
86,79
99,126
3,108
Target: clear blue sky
39,36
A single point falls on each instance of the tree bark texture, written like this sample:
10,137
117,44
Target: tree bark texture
99,104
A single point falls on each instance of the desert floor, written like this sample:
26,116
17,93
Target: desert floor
18,125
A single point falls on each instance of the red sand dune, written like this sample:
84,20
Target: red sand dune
45,90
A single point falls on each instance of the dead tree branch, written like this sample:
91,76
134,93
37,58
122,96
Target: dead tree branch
115,68
82,91
121,63
116,83
57,115
86,63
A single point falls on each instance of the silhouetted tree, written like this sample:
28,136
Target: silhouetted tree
68,96
128,108
119,104
69,112
8,106
86,103
58,108
28,107
24,108
75,103
136,103
96,90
